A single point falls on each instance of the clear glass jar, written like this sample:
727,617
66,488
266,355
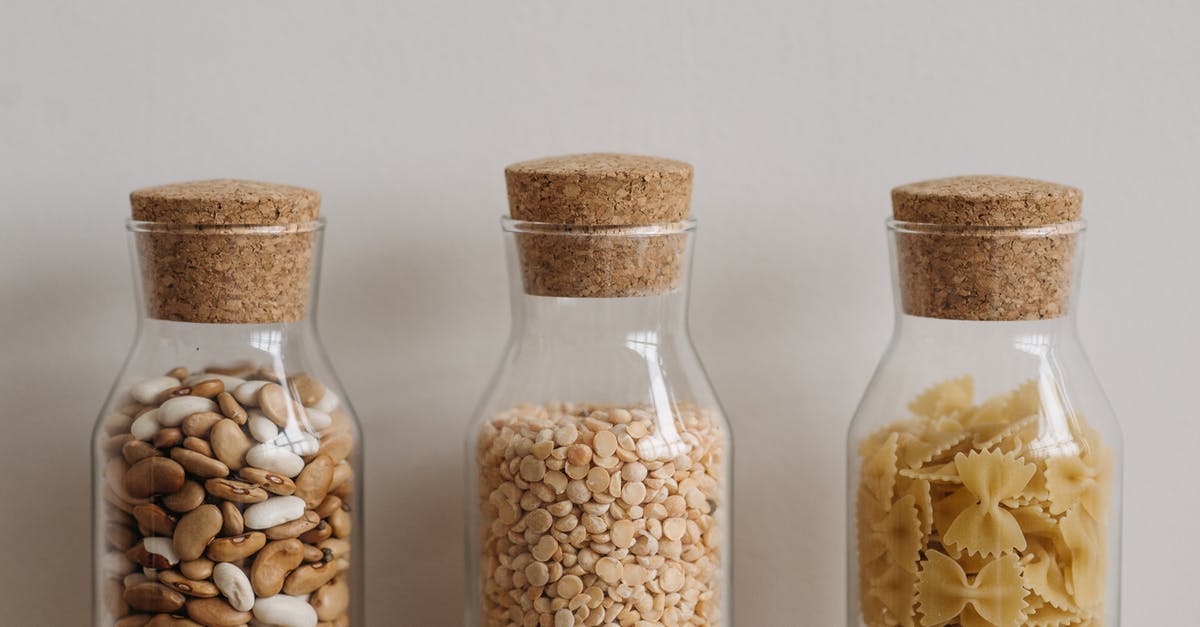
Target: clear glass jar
984,460
598,469
227,460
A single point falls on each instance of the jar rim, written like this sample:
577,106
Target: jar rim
141,226
511,225
1041,230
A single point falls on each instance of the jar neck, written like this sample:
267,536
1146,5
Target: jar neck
1031,336
586,320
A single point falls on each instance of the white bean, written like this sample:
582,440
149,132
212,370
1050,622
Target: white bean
261,427
275,459
147,390
247,393
235,585
273,511
174,410
318,419
285,611
297,441
230,382
145,426
163,547
328,402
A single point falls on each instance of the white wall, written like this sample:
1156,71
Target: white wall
799,117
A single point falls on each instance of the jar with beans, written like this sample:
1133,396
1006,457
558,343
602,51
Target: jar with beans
227,458
599,465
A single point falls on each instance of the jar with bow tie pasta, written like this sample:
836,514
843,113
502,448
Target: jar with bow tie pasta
227,481
984,461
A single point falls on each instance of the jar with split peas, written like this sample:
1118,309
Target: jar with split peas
598,470
984,459
227,474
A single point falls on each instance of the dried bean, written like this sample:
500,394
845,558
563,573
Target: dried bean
234,585
235,548
272,565
195,530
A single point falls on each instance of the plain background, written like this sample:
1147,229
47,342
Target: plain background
799,117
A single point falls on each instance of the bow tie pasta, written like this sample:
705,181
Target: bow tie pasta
978,515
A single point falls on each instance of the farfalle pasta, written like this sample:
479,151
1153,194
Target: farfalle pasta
983,515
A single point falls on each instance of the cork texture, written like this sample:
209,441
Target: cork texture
228,252
986,200
987,259
600,189
568,256
225,202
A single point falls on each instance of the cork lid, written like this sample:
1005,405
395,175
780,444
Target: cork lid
600,189
225,202
986,200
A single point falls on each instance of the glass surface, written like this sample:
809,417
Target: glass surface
598,468
179,507
984,473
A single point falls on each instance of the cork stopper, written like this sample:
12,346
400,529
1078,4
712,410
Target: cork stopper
592,212
226,251
986,247
600,189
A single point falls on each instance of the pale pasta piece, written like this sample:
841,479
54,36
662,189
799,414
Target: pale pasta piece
896,591
945,399
900,534
1044,577
986,527
996,594
1082,536
879,471
938,473
922,500
916,451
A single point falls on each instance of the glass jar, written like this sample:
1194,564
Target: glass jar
227,460
984,459
598,472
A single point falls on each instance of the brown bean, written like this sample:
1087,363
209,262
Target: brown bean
114,598
199,445
236,491
230,443
153,520
309,577
139,554
199,424
274,403
170,393
167,620
233,524
294,528
216,613
116,444
234,548
308,390
337,547
120,536
135,451
188,498
190,587
313,554
342,473
178,372
271,482
230,407
201,568
317,534
330,505
134,620
336,443
240,369
153,597
331,599
113,499
312,484
208,388
154,475
168,437
341,523
195,530
272,565
197,464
